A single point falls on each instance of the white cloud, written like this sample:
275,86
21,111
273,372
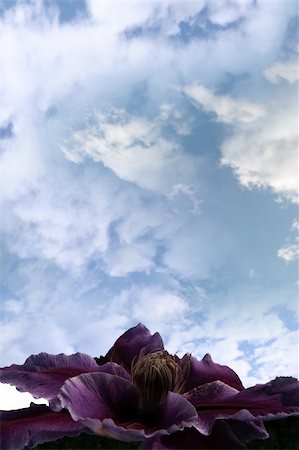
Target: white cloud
226,108
133,148
190,252
15,179
177,117
11,332
57,305
72,227
130,258
126,15
94,55
287,70
13,306
243,326
186,192
295,225
66,226
54,212
279,358
156,306
289,252
264,154
166,14
226,13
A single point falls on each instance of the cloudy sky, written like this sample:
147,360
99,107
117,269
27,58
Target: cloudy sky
148,155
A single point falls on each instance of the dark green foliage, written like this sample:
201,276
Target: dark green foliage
88,442
284,435
100,360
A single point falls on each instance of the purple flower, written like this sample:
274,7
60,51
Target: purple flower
142,393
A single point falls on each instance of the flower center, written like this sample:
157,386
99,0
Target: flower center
154,375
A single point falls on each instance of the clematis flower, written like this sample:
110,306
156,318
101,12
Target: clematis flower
142,393
101,398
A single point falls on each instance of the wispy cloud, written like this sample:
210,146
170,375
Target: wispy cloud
290,250
264,155
134,149
226,108
287,70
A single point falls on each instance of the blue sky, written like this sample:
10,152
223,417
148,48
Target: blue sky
148,172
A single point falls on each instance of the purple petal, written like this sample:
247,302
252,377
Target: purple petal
214,401
42,375
35,425
222,437
286,387
112,368
210,393
247,430
108,405
206,371
175,413
211,400
129,345
276,399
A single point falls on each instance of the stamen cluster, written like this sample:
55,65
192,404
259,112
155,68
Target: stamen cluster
154,375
